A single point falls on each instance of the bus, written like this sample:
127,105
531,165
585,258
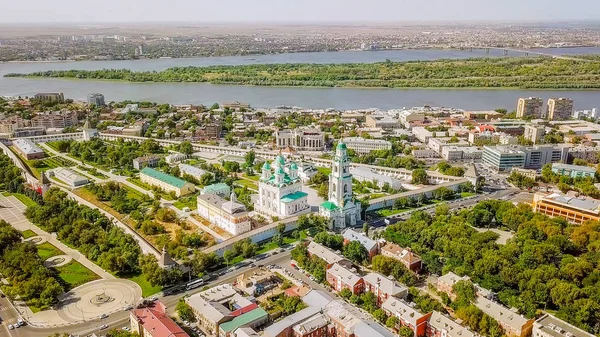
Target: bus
194,284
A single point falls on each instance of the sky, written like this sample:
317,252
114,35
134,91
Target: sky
89,11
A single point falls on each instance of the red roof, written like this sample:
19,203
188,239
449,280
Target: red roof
244,310
484,127
155,320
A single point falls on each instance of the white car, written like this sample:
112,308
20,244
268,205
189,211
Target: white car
103,326
126,328
10,327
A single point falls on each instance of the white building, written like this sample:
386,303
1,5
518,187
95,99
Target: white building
550,326
175,157
300,139
280,193
342,210
366,174
228,215
68,176
534,133
364,146
306,171
438,144
193,171
405,117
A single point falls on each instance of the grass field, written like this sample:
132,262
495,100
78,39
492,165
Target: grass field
22,198
47,250
389,212
56,161
466,194
28,234
189,201
247,183
93,172
140,279
254,177
136,181
325,170
75,274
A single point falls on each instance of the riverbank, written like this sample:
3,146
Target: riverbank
509,72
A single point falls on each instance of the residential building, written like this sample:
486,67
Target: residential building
220,189
145,161
407,315
482,115
407,117
96,99
550,326
423,134
559,109
27,149
300,139
589,153
512,323
313,327
317,301
530,107
175,157
574,210
438,144
251,319
10,124
192,171
409,259
573,171
381,121
340,277
69,176
55,119
364,146
363,174
425,153
245,332
320,251
529,173
383,287
50,97
166,182
447,281
208,314
228,215
209,131
340,208
504,158
370,245
440,325
280,192
153,321
534,133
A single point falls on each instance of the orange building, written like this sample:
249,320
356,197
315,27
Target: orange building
575,210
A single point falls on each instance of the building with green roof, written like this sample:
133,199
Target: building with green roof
252,319
221,189
166,182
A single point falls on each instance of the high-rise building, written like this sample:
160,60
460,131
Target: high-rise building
559,109
530,107
534,133
95,99
341,209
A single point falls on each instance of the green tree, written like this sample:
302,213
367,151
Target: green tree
419,177
185,312
249,158
405,331
392,322
186,148
281,228
345,293
380,315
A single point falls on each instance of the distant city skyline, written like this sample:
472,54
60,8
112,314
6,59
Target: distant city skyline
296,11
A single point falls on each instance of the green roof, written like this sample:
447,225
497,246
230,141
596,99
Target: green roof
280,170
165,178
293,166
329,205
245,319
293,196
341,145
214,188
266,166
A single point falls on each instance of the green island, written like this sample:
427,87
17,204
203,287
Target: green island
508,72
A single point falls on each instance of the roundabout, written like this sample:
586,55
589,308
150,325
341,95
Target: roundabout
97,298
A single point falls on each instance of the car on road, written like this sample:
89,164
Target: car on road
127,308
253,265
103,327
103,316
126,328
154,299
10,327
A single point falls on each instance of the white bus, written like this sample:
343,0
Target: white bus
194,284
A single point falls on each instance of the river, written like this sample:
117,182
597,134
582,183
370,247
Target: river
341,98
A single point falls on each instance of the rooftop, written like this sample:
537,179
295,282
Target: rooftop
156,321
27,146
279,326
586,204
239,321
215,188
453,329
451,278
218,293
401,253
329,205
501,313
351,235
559,328
402,310
324,253
388,286
345,275
294,196
561,166
165,178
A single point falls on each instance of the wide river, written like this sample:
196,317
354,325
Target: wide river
341,98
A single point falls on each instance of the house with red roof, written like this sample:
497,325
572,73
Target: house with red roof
153,321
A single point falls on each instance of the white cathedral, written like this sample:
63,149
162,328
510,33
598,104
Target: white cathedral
341,208
280,190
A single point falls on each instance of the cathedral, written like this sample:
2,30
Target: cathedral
341,208
280,190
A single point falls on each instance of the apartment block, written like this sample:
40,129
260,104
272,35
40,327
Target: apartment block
153,321
340,277
440,325
145,161
574,210
407,315
381,121
504,158
534,133
96,99
370,245
573,171
513,324
409,259
559,109
364,146
530,107
328,255
550,326
55,119
447,281
383,287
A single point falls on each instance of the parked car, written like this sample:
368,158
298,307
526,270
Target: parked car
10,327
103,316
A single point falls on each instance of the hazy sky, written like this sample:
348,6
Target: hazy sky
26,11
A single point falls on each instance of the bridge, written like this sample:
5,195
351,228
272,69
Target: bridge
527,52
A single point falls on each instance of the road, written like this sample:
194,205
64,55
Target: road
121,319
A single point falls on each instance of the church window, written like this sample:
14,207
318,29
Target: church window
345,188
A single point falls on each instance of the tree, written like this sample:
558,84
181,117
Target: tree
166,215
229,255
419,177
392,322
185,312
186,148
405,331
345,293
366,229
206,179
277,239
380,315
281,228
249,158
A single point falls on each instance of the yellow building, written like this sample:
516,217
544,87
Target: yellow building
166,182
575,210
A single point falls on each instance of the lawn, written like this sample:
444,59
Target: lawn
28,234
93,172
75,274
140,279
189,201
247,183
24,199
47,250
325,170
253,177
466,194
136,181
390,212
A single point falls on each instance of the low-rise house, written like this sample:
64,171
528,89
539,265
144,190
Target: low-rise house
328,255
68,176
439,325
550,326
406,314
145,161
175,158
512,323
383,288
166,182
409,259
28,149
340,277
220,189
153,321
192,171
370,245
314,327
